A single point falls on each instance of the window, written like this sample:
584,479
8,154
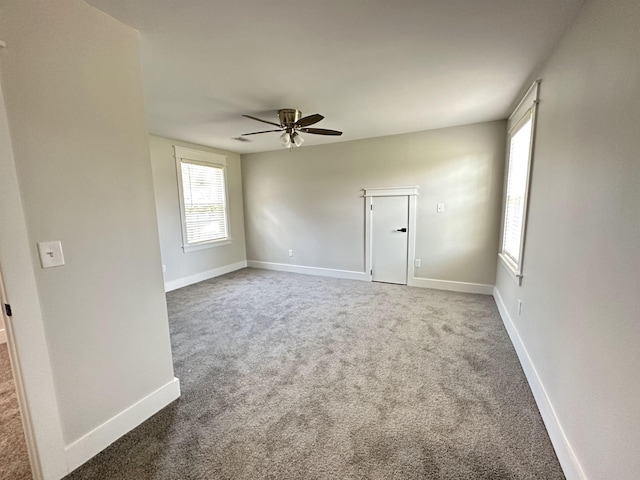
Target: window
203,198
519,152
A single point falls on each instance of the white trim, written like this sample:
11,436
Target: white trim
38,470
202,276
535,85
321,272
510,268
104,435
411,253
567,457
199,155
205,245
363,276
451,286
390,191
3,336
368,202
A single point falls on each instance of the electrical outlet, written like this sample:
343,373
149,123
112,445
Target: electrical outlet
519,307
290,252
440,208
416,263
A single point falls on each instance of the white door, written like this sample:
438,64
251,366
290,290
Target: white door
389,239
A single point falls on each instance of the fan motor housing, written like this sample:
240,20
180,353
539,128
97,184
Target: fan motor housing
289,116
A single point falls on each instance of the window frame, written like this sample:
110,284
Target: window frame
527,108
214,160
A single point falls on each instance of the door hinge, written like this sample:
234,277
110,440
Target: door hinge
371,273
7,309
371,206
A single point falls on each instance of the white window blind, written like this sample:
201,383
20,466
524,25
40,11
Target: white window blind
204,196
518,173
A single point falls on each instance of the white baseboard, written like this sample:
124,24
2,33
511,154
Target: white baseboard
200,277
104,435
351,275
321,272
3,336
451,286
567,457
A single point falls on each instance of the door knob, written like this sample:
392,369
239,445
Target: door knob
403,229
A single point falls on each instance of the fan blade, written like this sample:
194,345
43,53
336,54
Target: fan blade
263,121
263,131
320,131
309,120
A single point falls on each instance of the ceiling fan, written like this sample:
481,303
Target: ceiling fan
292,123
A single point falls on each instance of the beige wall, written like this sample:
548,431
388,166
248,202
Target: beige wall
580,321
310,200
181,267
71,81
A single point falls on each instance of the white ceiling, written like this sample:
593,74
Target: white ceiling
371,67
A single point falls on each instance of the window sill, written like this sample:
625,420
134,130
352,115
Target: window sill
202,246
515,275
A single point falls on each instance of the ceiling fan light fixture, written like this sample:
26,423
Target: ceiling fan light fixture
297,139
285,139
291,123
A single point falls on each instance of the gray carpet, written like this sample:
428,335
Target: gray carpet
14,459
289,376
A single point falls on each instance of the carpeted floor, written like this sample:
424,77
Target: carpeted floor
289,376
14,459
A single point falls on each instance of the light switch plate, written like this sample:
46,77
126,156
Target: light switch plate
50,254
440,208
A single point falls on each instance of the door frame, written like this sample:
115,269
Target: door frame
25,329
369,195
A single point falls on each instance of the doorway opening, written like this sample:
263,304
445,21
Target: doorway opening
14,454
